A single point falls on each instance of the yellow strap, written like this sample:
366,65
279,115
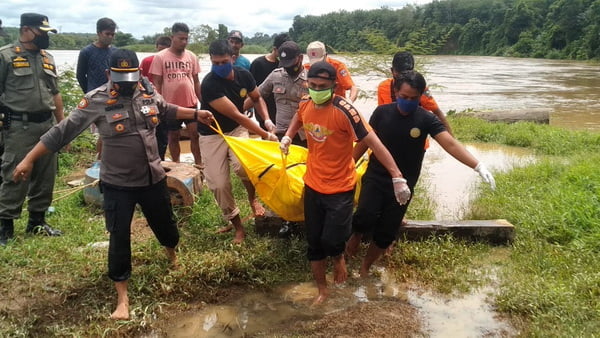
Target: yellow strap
218,128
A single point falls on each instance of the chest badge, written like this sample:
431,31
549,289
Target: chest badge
415,132
154,120
243,92
117,116
120,127
147,110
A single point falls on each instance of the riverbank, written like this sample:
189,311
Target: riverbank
546,281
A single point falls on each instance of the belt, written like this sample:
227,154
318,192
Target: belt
31,117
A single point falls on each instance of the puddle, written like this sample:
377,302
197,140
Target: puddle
376,301
450,182
468,316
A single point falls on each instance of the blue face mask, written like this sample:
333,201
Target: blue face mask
223,70
407,106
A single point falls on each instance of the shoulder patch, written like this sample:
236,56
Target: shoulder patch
83,103
347,108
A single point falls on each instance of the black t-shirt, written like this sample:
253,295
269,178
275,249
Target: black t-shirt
404,137
214,87
260,69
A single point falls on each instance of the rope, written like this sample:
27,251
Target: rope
71,191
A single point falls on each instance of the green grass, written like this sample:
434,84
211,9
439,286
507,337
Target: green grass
551,280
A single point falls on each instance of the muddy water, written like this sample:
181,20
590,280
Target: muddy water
451,183
275,313
569,89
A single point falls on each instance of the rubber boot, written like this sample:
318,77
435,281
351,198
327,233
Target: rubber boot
7,230
37,225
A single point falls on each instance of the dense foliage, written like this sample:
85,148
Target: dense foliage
528,28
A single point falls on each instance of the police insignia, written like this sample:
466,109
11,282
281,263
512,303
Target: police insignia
415,132
83,103
119,127
111,101
117,116
243,92
154,119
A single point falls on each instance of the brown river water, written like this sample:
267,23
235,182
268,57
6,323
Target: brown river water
568,89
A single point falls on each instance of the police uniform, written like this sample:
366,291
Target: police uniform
287,91
130,169
28,84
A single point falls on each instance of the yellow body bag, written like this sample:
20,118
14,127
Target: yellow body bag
277,178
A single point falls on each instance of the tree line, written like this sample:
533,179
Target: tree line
558,29
565,29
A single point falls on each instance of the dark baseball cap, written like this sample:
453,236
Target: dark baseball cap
318,68
236,35
36,20
288,52
124,66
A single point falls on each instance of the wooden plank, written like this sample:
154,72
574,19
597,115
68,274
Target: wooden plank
537,115
498,231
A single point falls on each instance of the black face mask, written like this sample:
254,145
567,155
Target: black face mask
126,88
294,70
41,41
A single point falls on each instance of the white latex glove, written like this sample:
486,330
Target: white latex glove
270,126
486,175
284,144
401,190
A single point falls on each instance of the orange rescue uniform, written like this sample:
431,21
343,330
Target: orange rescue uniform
343,81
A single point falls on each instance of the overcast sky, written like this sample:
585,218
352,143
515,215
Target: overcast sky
146,17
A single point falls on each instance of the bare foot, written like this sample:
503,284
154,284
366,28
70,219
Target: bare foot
257,208
340,273
390,250
240,235
320,298
122,311
363,273
352,245
225,229
172,258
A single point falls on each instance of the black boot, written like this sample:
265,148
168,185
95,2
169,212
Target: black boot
6,231
37,225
